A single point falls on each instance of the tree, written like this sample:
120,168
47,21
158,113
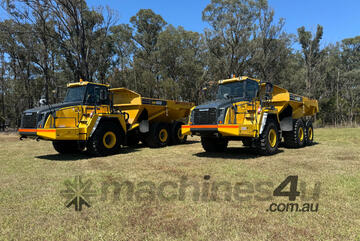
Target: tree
181,63
351,76
311,53
124,49
272,47
229,41
83,37
148,26
47,43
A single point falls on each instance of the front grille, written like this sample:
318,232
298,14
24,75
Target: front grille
205,116
28,120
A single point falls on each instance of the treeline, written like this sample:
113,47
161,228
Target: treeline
45,44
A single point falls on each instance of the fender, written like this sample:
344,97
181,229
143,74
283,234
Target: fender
95,126
98,120
263,122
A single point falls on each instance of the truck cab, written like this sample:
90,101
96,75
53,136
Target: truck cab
72,123
81,100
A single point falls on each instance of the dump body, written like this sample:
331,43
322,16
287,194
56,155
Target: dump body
301,106
243,108
157,110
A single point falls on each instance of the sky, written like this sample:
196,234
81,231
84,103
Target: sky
340,19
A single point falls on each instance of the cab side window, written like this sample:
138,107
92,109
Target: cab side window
90,95
101,93
95,95
252,88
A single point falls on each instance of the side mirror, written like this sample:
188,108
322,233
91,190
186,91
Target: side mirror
268,90
42,101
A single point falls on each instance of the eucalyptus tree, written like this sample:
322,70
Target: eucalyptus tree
231,34
147,26
350,78
124,49
272,47
181,63
83,36
312,55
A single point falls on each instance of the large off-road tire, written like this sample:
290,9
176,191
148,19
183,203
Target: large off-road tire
67,147
214,144
309,133
158,135
269,139
143,139
106,140
247,142
133,139
296,137
176,136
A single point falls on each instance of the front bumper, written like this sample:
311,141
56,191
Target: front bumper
224,130
53,133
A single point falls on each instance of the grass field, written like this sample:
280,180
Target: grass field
32,175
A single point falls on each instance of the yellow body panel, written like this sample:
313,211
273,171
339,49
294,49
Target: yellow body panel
58,133
80,132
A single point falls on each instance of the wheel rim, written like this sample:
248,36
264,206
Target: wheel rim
272,137
109,139
163,135
310,133
180,136
301,134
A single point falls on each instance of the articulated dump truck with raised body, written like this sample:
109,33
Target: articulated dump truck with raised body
101,119
257,113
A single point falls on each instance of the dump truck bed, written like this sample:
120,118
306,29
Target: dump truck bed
302,106
158,110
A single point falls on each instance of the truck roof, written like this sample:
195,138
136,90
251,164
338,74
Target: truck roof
236,79
82,83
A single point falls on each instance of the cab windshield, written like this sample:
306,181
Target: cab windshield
247,89
75,94
88,95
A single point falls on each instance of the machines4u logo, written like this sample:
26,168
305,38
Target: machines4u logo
78,193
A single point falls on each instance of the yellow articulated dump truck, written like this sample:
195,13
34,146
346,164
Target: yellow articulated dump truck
101,119
257,113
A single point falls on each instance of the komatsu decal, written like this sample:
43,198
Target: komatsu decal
153,102
294,97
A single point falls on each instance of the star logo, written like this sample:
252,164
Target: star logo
78,193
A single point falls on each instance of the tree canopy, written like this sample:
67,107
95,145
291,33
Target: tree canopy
45,44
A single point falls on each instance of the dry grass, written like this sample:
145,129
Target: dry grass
32,176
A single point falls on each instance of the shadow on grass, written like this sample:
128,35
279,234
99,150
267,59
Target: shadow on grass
65,157
190,142
83,155
186,143
282,145
233,153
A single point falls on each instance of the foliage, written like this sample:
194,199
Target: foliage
45,44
